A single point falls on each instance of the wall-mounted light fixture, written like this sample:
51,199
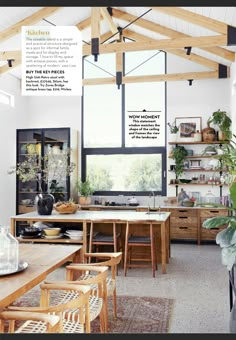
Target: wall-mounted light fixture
190,82
95,48
118,79
10,62
189,49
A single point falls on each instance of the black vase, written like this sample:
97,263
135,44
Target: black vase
44,203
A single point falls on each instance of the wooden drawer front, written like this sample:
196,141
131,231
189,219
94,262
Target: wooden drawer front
183,212
210,234
213,212
183,228
26,208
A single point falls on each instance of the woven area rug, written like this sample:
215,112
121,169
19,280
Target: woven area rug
135,314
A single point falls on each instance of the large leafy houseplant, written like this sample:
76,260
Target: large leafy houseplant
226,238
223,121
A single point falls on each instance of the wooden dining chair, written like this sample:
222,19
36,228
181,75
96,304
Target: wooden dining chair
32,322
95,277
51,303
102,259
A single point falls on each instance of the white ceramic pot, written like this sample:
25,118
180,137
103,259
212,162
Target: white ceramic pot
173,137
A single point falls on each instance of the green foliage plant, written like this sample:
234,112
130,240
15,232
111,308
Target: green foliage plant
173,127
178,154
84,188
223,121
226,238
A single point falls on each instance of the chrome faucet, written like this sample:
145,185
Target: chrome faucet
153,194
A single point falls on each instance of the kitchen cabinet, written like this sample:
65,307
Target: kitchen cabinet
210,234
41,142
184,224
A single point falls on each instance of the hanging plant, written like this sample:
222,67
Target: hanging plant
178,154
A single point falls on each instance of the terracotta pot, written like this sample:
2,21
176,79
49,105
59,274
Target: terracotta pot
84,200
208,134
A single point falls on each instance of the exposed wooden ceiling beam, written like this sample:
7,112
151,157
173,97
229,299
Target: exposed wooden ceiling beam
108,18
194,18
95,22
160,44
168,32
192,57
10,55
153,78
30,20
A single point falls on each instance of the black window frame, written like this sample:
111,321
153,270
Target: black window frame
123,149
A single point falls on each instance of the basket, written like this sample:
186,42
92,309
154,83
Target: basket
66,208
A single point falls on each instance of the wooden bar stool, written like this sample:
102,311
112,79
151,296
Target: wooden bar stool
103,239
132,240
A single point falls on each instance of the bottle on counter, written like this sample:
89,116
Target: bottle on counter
9,252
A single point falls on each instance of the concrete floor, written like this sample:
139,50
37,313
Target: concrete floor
197,281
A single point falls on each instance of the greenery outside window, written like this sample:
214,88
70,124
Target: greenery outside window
115,161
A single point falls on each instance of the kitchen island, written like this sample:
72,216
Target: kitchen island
160,222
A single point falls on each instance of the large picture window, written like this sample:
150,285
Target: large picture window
123,130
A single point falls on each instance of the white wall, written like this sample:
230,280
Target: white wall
11,118
199,100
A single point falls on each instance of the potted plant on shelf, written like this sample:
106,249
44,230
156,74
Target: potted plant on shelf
85,191
173,131
46,171
179,153
223,122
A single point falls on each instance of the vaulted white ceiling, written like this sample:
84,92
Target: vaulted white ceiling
206,30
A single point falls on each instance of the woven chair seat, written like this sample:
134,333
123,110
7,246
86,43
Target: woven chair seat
32,327
40,327
139,239
95,305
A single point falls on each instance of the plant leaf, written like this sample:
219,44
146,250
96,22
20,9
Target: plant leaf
226,237
228,256
215,222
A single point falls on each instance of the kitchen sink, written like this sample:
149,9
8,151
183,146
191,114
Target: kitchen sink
155,213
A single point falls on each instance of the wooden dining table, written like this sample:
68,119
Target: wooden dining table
41,259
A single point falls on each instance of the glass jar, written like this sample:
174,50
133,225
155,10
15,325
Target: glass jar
9,252
210,197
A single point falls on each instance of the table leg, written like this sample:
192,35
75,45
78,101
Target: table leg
163,247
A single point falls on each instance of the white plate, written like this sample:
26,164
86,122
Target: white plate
53,237
74,234
74,231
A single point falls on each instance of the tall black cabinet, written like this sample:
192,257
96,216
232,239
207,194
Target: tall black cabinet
41,142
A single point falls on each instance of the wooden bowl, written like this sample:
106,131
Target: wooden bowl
66,207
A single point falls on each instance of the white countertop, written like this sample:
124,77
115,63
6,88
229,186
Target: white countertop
80,215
